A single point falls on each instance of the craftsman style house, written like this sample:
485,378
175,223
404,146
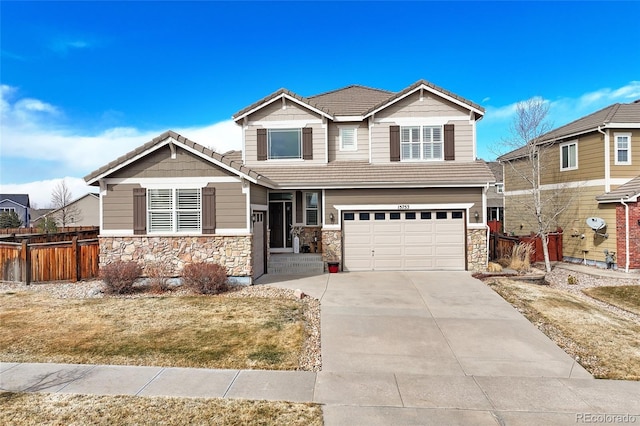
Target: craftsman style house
375,180
591,166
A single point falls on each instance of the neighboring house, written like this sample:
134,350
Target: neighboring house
83,211
373,179
37,215
495,194
593,163
18,203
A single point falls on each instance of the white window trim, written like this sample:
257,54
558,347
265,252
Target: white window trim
317,208
500,188
7,209
615,142
174,214
355,138
300,144
422,143
574,142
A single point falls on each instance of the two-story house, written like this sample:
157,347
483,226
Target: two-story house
373,179
590,169
18,203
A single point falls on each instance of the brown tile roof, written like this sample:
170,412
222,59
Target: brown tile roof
606,117
354,99
231,161
351,100
363,174
627,191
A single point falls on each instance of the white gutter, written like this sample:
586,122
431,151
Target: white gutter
607,160
626,236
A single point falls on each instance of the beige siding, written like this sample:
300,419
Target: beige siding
274,112
160,164
520,219
412,108
590,161
404,196
88,209
626,171
259,194
251,141
362,152
231,205
117,207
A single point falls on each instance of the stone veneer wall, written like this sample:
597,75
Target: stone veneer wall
332,246
477,255
232,252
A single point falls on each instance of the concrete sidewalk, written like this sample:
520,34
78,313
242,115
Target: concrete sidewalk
398,348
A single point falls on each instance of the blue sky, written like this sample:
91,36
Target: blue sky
85,82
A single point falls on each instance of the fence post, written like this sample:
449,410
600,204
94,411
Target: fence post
25,263
74,256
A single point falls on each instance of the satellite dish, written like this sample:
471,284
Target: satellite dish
596,223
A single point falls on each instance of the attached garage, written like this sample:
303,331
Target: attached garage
404,240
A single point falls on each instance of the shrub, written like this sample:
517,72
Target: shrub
119,276
205,278
158,274
572,280
520,257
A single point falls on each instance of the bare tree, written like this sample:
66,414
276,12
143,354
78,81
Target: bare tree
528,162
61,199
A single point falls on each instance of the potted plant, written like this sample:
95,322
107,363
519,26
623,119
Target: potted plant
295,233
333,266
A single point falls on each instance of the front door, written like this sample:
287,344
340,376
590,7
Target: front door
280,220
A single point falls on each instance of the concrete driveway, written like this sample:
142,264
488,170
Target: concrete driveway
435,323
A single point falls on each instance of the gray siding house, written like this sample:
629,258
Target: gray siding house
373,179
18,203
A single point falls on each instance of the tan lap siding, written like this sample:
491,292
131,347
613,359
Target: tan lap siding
626,171
117,207
160,164
231,206
404,196
362,143
258,195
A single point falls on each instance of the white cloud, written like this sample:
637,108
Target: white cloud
40,191
64,45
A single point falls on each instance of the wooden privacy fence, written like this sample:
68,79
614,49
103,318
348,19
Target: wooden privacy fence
501,246
32,230
55,261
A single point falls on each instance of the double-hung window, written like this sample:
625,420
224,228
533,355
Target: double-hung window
174,210
311,208
623,148
421,143
569,156
284,143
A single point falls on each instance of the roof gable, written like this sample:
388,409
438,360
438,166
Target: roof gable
275,96
630,191
171,137
19,199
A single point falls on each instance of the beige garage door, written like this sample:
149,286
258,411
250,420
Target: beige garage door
404,241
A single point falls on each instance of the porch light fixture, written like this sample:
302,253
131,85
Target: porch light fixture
253,218
331,217
476,215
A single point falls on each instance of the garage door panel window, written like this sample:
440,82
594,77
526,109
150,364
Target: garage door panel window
425,215
363,216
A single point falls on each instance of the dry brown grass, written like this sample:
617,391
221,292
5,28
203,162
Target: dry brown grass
626,297
195,331
607,344
66,409
520,256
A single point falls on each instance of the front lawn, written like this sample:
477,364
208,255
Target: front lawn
605,343
185,331
64,409
626,297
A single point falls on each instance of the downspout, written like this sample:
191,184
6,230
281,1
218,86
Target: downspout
484,216
626,236
607,160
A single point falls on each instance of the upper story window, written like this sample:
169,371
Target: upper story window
623,148
569,156
284,143
7,209
499,188
421,143
174,210
348,138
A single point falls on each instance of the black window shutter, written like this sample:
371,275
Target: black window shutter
139,211
298,207
208,210
307,143
394,143
449,142
262,144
